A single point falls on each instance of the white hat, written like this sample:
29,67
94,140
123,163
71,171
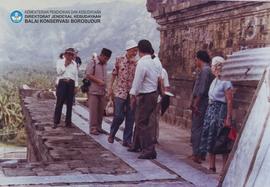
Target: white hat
217,60
131,44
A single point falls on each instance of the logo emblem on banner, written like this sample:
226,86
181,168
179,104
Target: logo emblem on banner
16,16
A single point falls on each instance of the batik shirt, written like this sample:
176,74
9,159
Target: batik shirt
125,71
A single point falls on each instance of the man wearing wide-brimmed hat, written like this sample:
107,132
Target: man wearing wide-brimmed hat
124,71
96,72
67,81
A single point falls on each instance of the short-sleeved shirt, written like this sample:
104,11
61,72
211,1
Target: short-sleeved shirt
165,78
217,90
146,76
66,72
125,71
158,66
98,70
203,81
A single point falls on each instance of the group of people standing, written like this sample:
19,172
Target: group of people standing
211,108
134,86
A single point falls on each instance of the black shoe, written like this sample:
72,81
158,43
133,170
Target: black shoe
94,132
213,170
68,125
134,150
126,144
110,139
152,155
54,126
101,131
197,159
156,142
203,158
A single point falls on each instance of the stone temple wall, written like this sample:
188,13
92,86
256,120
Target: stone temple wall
220,27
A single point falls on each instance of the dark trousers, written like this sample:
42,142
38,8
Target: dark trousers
154,121
143,135
122,110
64,94
197,126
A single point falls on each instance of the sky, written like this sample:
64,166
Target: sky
39,4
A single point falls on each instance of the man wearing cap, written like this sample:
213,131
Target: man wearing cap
96,72
124,70
67,81
199,102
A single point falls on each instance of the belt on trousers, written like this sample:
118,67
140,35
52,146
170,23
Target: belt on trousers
147,93
212,102
66,80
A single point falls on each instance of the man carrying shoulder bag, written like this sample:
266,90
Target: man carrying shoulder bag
96,72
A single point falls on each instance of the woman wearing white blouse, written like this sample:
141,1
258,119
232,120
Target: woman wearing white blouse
218,114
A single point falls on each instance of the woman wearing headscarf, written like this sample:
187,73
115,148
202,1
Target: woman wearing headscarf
219,112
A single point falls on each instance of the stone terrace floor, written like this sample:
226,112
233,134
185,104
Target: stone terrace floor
80,159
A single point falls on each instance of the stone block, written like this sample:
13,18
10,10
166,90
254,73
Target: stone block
9,164
57,167
82,170
76,164
187,114
222,36
45,173
18,172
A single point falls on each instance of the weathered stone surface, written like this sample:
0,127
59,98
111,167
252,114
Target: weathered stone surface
9,164
82,170
60,151
220,27
45,173
73,164
18,172
57,167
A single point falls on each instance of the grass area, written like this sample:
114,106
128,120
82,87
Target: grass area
11,151
7,145
11,117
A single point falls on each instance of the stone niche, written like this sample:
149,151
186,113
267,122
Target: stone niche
220,27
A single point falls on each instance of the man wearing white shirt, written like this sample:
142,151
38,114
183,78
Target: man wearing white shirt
67,81
144,94
154,119
165,79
